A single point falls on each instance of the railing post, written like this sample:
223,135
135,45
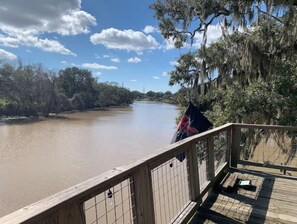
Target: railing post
229,146
193,174
143,196
210,149
235,146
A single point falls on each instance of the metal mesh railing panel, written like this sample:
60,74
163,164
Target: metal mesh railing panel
203,162
111,206
170,189
220,142
270,147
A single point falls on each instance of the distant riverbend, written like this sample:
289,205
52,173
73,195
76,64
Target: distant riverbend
44,157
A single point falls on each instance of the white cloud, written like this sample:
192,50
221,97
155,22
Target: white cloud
134,60
9,41
49,46
74,65
117,60
174,63
74,23
64,62
129,40
16,38
133,80
169,44
214,32
63,17
32,18
97,73
98,66
150,29
5,55
156,77
165,74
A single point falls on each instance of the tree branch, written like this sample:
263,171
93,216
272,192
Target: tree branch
274,17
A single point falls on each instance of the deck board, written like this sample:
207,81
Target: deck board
273,199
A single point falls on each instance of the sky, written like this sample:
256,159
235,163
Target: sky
117,40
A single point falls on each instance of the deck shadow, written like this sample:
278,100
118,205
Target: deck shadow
240,206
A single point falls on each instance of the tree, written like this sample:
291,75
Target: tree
137,95
264,31
183,19
31,90
237,78
78,86
26,90
113,95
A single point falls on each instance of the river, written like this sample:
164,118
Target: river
40,158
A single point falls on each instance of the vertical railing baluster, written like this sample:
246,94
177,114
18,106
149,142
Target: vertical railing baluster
229,141
143,196
193,174
235,146
211,160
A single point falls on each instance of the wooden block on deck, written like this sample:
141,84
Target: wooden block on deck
228,183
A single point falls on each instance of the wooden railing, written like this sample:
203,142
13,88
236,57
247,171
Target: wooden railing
266,147
166,187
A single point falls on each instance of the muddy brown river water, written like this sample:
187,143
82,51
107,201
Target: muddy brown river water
40,158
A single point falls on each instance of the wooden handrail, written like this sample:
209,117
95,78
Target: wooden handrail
270,127
65,206
236,140
88,189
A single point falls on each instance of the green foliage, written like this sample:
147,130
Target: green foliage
26,90
113,95
33,90
166,97
79,86
249,75
181,20
137,95
271,101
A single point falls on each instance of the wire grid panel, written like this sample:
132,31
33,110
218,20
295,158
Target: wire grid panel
203,162
269,146
170,189
220,143
112,206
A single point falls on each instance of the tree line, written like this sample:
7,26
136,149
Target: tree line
32,90
248,75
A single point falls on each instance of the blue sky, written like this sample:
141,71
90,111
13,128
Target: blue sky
117,40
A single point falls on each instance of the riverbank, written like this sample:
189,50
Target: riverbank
169,101
17,119
29,119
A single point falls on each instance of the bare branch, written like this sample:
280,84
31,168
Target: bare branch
274,17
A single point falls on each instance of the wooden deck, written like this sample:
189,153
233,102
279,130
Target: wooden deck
142,191
272,199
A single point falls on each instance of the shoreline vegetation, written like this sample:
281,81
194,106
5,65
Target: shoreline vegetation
29,119
30,92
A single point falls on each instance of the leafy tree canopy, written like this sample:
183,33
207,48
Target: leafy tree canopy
250,73
183,19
